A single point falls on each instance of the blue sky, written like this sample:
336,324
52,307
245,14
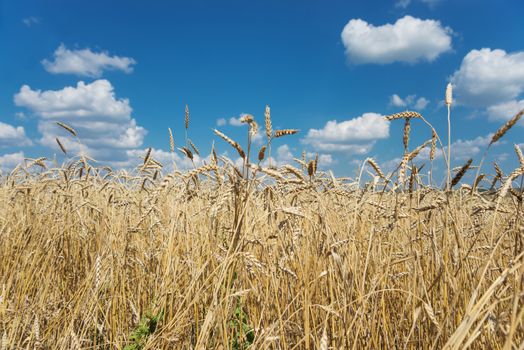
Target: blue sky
121,73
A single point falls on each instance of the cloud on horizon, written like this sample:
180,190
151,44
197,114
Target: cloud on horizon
357,135
103,122
13,136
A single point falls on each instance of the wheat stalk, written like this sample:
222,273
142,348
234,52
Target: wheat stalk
171,141
187,152
61,146
98,267
504,189
405,138
67,127
518,151
269,131
186,120
246,118
36,330
506,127
4,344
234,144
253,128
403,115
267,117
497,136
148,155
375,167
461,173
261,153
193,147
449,100
285,132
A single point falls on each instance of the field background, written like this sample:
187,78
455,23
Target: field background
227,257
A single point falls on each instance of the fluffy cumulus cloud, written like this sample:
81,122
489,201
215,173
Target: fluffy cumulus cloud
462,150
284,154
13,136
409,39
506,110
102,121
10,161
83,101
465,149
85,62
409,101
355,136
397,101
235,121
489,77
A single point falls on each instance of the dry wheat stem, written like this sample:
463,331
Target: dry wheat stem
67,127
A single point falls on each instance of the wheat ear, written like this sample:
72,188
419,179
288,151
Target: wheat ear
461,173
497,136
61,146
171,141
269,131
67,127
234,144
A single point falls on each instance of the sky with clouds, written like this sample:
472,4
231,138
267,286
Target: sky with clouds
121,73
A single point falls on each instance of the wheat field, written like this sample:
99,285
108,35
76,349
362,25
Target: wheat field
261,256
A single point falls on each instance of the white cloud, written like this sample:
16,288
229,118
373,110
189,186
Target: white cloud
102,121
221,121
96,99
30,21
235,121
13,136
284,154
488,77
397,101
402,3
85,62
506,110
409,39
258,138
20,116
135,158
462,149
11,160
356,135
409,101
421,103
465,149
324,160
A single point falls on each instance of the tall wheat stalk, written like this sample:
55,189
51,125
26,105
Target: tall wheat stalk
449,101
